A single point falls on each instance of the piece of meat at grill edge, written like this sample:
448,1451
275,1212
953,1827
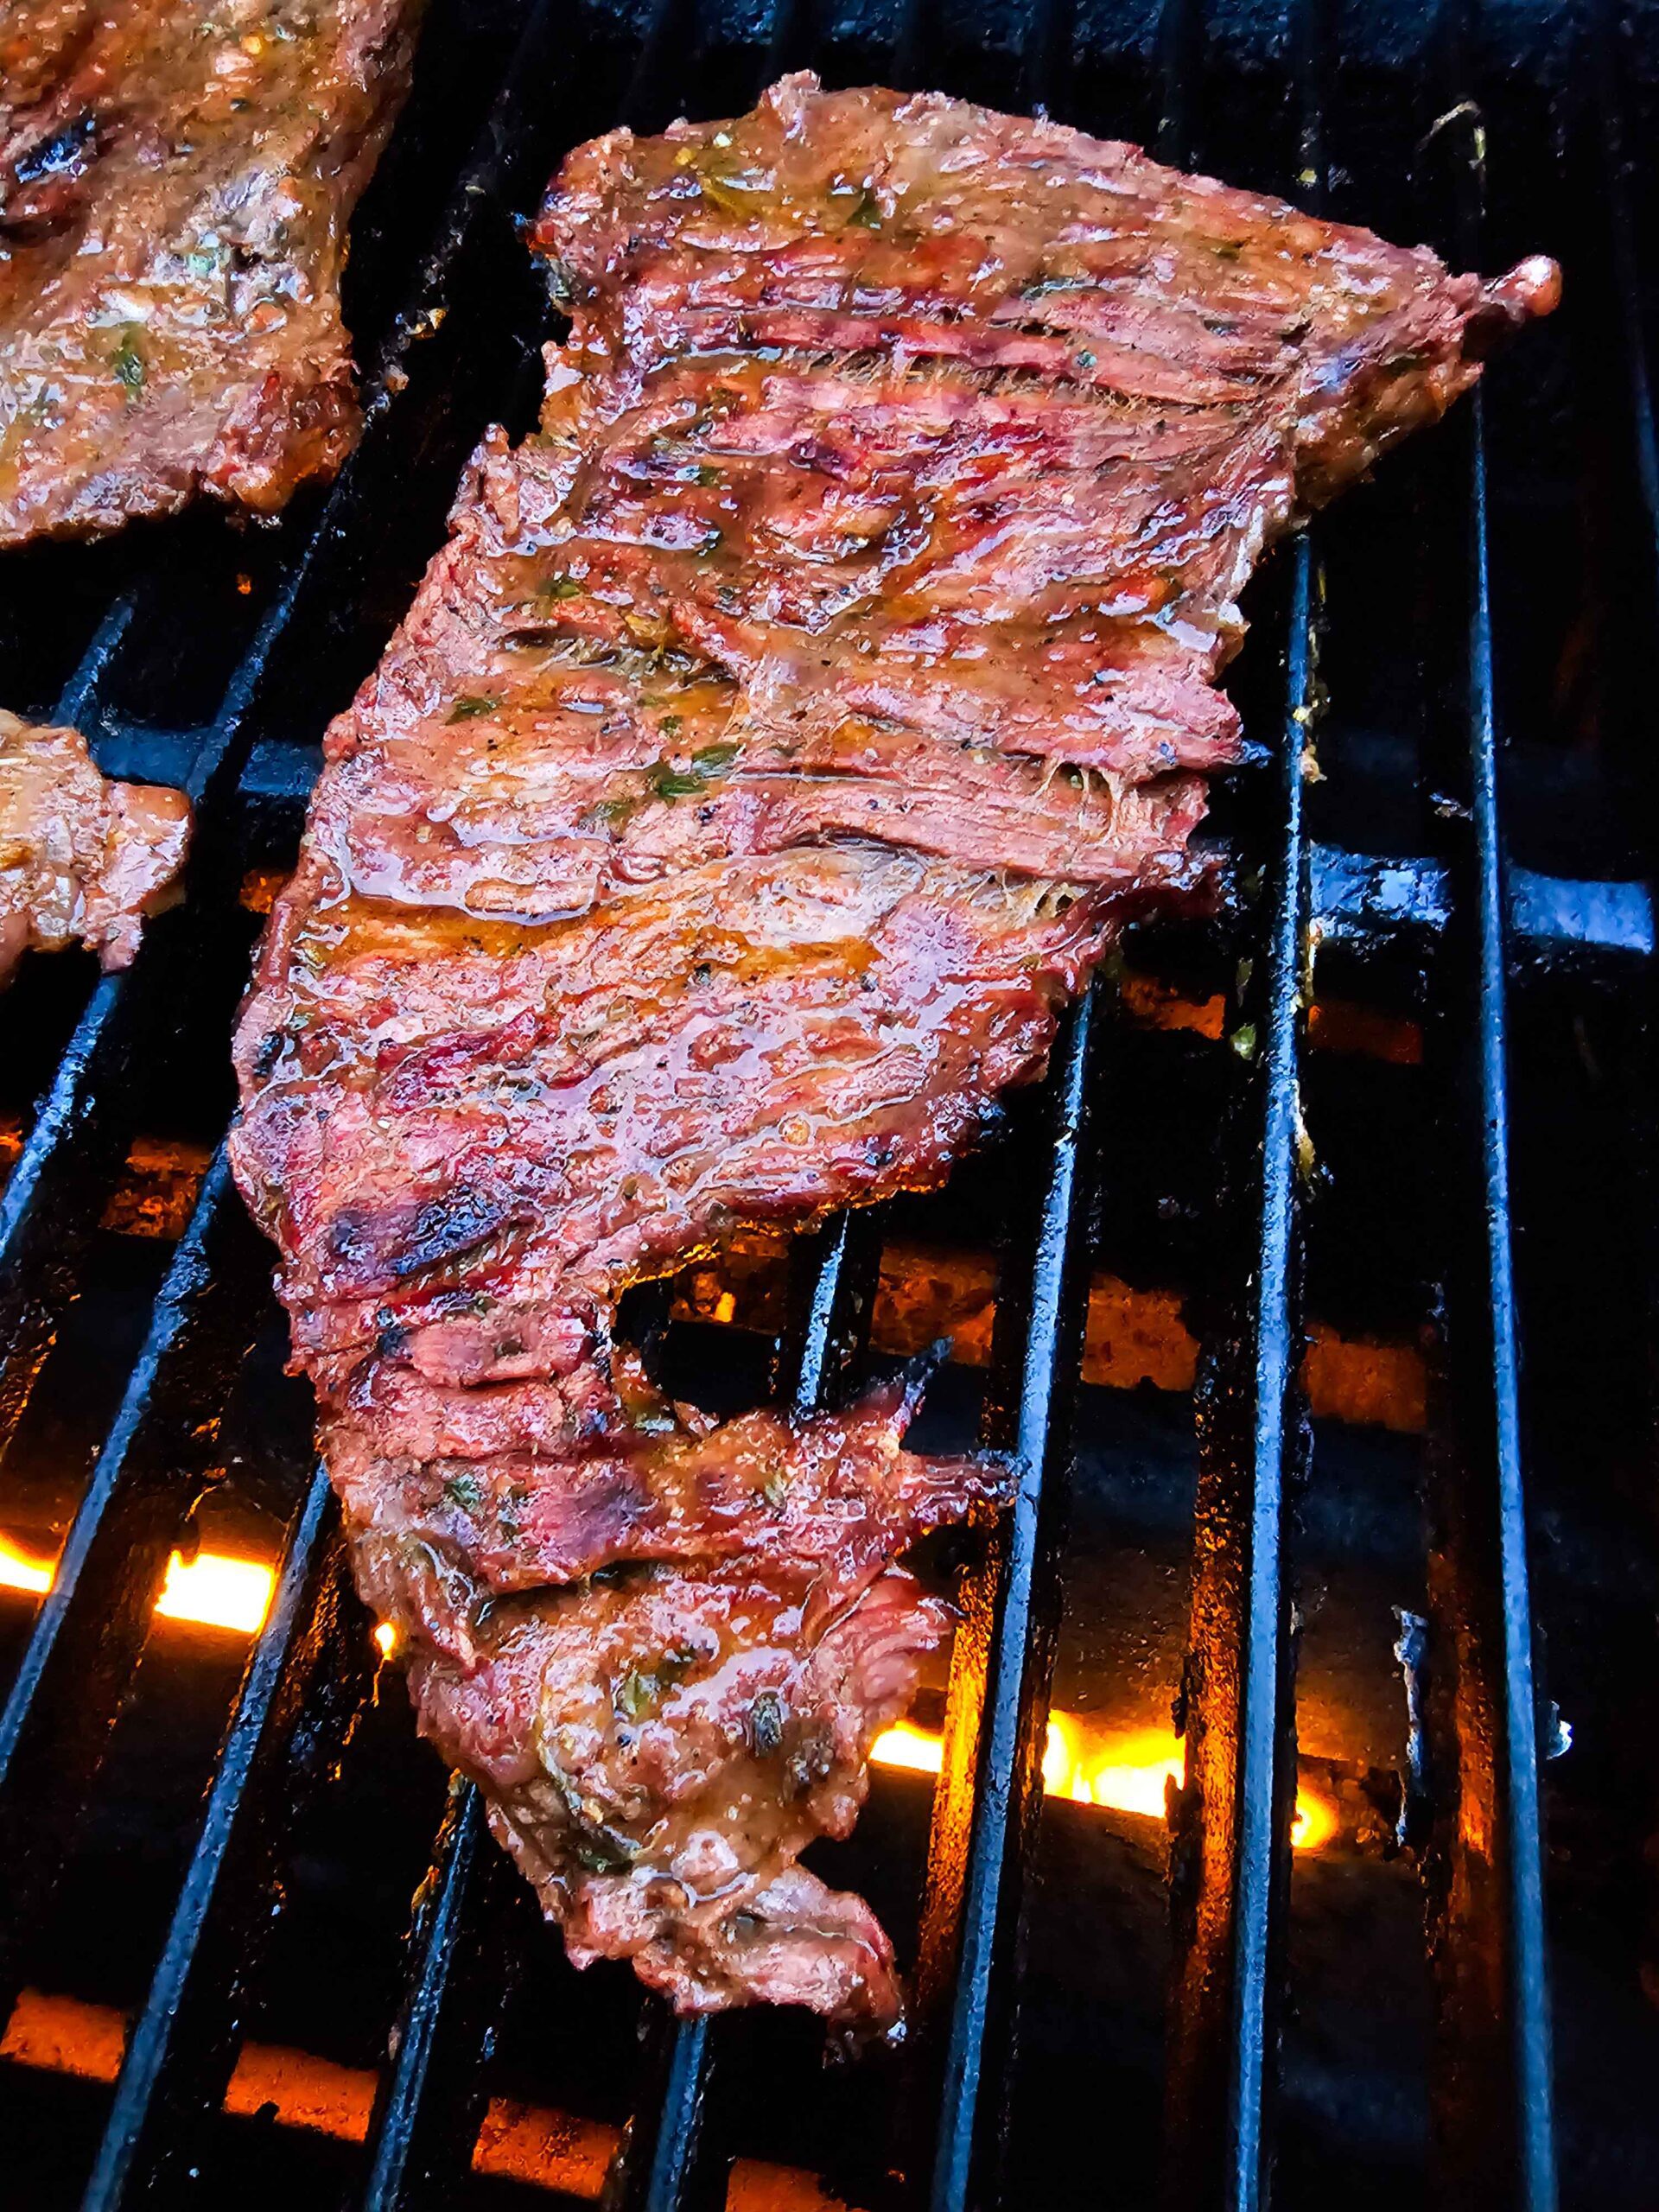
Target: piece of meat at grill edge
175,184
80,858
783,735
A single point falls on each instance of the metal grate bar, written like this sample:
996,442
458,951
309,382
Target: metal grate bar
1492,2097
298,1697
430,2098
989,1791
1232,1846
1230,1856
1627,273
78,1665
1530,1995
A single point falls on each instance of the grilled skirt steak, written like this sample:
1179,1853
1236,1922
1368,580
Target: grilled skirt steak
782,736
80,858
175,183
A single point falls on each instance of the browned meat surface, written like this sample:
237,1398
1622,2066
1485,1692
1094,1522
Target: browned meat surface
80,859
175,183
782,736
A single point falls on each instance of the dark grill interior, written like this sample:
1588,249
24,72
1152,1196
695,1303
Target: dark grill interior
1443,1149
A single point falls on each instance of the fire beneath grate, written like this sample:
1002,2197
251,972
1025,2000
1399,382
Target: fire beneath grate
1233,1851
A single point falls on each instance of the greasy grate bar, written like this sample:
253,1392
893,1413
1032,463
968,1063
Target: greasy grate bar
1230,1855
1493,2081
309,1673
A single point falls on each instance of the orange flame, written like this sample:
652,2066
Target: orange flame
1125,1770
211,1589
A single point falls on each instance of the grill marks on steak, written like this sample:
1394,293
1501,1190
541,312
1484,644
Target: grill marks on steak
80,859
174,190
783,734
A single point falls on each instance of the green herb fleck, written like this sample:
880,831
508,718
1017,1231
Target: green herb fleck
464,1490
868,214
602,1851
609,813
708,762
1227,249
641,1690
635,1694
561,588
705,472
669,725
775,1490
1243,1040
675,782
128,363
469,707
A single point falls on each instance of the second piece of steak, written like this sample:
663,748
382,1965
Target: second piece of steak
785,733
80,859
175,184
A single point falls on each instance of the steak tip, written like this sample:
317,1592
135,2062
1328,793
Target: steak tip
1531,290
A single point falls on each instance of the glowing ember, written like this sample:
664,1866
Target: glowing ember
211,1589
907,1746
219,1592
1127,1772
1314,1821
19,1572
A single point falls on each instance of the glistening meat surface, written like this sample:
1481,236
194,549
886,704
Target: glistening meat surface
785,733
81,860
175,184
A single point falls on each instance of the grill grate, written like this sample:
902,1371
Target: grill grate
465,349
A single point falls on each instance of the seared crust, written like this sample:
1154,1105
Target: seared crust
175,184
81,860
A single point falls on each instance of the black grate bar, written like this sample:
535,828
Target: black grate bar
1266,1783
659,2167
1233,1825
182,2049
92,1626
431,2097
79,697
1367,899
1627,274
989,1793
918,37
1491,2094
1180,46
1229,1869
1530,1996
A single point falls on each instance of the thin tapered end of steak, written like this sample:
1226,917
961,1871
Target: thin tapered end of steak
175,185
81,860
786,731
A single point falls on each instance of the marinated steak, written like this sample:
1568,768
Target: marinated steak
175,184
80,858
786,730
